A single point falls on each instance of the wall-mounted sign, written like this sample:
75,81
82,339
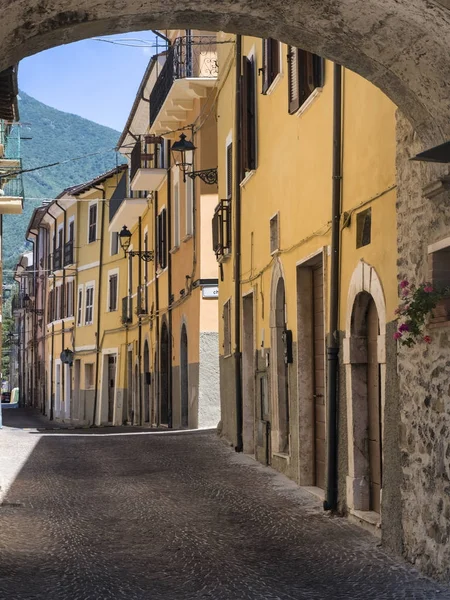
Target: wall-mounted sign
210,291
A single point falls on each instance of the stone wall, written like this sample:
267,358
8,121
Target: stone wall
423,370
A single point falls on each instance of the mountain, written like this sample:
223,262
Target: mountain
56,136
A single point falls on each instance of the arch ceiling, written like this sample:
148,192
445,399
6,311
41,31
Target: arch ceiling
402,46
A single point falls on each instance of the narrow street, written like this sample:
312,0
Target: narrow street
175,515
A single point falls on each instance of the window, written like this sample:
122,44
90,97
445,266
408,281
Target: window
439,268
229,170
89,310
162,238
248,116
71,231
89,375
363,228
274,234
271,62
221,228
92,223
176,216
227,328
189,206
58,311
69,298
114,243
80,307
306,72
112,291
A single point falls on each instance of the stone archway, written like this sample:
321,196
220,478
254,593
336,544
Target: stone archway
184,377
399,45
164,387
279,371
364,356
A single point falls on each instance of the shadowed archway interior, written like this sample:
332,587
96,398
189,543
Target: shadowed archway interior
399,45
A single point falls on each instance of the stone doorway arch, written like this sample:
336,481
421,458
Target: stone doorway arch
147,398
365,364
414,72
164,388
279,371
184,377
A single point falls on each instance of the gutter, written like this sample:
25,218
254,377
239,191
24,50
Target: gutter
169,283
330,502
237,253
141,407
157,386
99,298
53,326
63,304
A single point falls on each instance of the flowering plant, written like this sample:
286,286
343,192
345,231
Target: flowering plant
416,304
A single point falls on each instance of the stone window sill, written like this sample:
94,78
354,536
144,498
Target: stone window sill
283,456
368,519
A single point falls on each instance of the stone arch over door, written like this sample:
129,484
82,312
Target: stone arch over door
184,377
146,390
365,365
279,370
164,388
414,72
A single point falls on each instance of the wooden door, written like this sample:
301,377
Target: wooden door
374,408
319,376
111,386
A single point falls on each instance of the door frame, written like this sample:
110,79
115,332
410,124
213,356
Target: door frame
364,279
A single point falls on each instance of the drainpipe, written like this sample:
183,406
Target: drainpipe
63,301
53,326
162,36
141,416
99,305
169,281
34,328
333,337
237,252
156,392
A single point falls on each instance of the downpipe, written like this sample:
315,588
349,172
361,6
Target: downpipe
330,502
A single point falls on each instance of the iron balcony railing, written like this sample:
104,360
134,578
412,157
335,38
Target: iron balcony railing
189,56
68,253
148,153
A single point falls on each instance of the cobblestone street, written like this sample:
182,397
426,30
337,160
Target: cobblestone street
174,516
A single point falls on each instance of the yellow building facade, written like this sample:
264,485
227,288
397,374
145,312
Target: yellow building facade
298,136
127,272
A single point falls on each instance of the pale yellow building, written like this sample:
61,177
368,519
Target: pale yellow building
283,187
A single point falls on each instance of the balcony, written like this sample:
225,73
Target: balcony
11,185
148,164
191,68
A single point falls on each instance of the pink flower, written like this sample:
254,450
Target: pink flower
404,284
427,339
428,289
403,327
397,335
405,292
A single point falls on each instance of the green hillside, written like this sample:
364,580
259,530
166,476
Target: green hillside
55,136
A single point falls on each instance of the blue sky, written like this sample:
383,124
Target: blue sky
95,80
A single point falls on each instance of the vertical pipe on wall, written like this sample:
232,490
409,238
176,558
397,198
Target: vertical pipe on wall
98,303
63,303
237,251
333,336
169,283
156,392
139,382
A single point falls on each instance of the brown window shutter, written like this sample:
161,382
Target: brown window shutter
293,79
274,59
251,119
229,170
244,125
163,239
266,65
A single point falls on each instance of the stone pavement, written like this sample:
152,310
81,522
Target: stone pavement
176,516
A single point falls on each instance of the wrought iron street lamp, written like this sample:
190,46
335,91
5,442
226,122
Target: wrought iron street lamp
184,149
125,241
